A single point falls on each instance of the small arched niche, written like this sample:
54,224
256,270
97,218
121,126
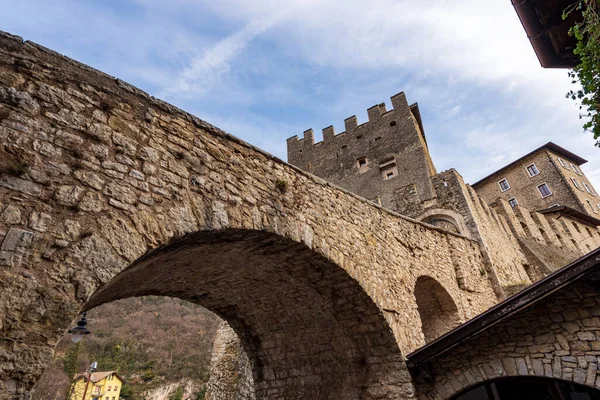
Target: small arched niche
446,219
437,309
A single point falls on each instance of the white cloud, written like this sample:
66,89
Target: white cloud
206,70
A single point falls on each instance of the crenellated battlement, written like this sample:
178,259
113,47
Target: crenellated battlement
375,115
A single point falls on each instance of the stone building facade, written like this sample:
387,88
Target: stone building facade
552,332
108,193
522,239
548,176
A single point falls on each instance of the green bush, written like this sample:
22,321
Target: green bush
148,375
587,71
178,395
201,394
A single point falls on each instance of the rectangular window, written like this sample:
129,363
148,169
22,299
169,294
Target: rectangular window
513,202
576,169
563,163
362,162
108,390
592,207
588,188
544,190
504,186
388,168
576,183
532,170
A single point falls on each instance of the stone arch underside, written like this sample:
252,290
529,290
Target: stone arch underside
438,311
309,329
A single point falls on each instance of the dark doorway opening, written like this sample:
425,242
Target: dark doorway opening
529,388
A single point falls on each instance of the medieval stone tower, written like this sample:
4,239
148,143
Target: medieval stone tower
374,159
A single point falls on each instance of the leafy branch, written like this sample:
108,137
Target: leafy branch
587,71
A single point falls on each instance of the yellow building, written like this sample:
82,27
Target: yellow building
100,386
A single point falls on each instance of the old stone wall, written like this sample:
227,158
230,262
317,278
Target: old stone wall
372,159
104,187
524,188
505,261
557,338
520,246
554,240
587,202
230,369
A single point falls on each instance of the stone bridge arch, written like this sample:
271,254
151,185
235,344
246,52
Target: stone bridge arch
528,387
95,174
309,330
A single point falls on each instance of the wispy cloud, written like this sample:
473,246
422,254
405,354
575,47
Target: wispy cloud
207,70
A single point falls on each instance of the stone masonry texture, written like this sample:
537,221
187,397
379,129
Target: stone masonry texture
230,372
559,338
360,158
106,193
524,188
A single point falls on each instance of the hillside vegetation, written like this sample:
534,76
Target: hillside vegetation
151,341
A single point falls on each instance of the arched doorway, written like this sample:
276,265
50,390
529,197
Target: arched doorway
437,310
309,330
528,388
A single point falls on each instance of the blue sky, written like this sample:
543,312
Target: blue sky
266,70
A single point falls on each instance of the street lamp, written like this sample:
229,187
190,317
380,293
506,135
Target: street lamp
79,331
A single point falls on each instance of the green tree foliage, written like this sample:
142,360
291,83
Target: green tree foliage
177,395
201,394
127,392
587,71
70,361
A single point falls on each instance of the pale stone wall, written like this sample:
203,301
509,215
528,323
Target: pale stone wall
230,369
557,338
581,195
96,174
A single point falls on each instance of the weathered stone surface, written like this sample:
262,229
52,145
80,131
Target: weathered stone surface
317,282
504,341
11,215
16,238
231,372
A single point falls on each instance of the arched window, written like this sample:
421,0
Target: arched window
437,310
444,223
446,219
